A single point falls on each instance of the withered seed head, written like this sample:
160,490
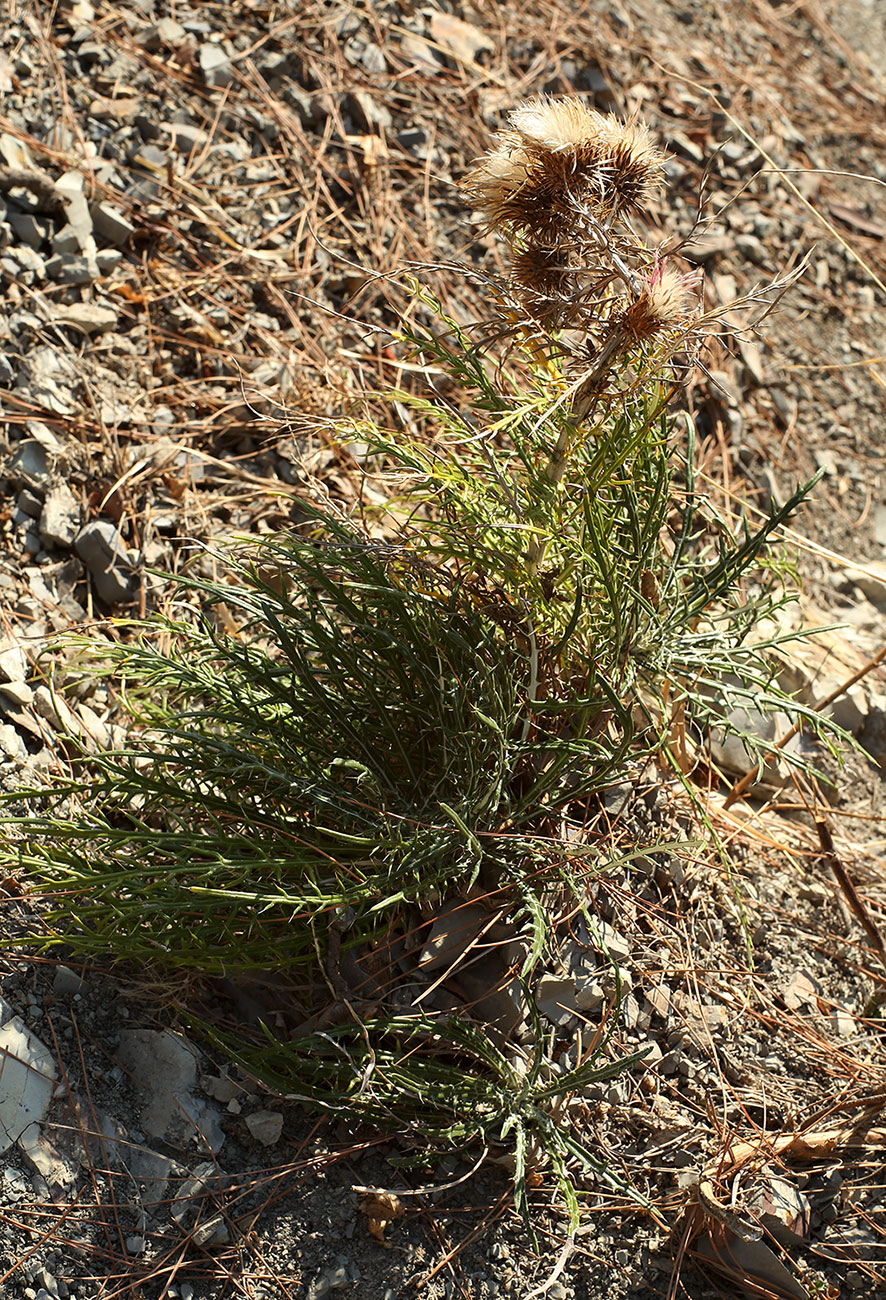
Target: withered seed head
542,270
665,301
560,162
634,167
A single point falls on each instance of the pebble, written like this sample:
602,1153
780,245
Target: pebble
265,1126
30,464
165,32
109,223
68,268
215,66
66,982
101,549
60,518
11,743
556,998
33,231
88,317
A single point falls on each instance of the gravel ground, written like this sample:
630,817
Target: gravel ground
192,200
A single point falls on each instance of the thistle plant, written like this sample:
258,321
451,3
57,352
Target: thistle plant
397,722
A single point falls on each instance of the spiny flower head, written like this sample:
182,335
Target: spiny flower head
559,162
664,301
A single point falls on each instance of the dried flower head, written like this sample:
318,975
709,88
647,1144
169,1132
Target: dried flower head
560,163
543,271
634,167
665,301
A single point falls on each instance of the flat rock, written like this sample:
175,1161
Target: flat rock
88,317
215,66
455,929
60,518
555,998
163,1067
11,744
13,664
66,982
871,582
110,224
30,464
27,1079
101,549
265,1126
68,268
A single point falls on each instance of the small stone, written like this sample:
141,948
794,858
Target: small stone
30,464
871,582
31,230
610,941
115,110
556,999
11,743
370,110
590,996
67,268
31,264
215,66
801,990
214,1232
842,1023
654,1056
265,1126
88,317
134,1245
19,693
101,549
110,224
373,59
670,1061
65,241
164,1067
15,153
60,519
752,248
29,1074
850,709
107,260
186,137
151,157
220,1088
13,664
165,32
66,982
455,928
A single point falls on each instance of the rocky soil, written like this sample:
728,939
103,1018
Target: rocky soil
194,201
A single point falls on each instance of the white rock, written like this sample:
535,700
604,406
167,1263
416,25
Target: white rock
27,1077
13,664
60,517
88,317
265,1126
215,66
610,940
730,753
164,1068
848,710
11,743
556,998
18,692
